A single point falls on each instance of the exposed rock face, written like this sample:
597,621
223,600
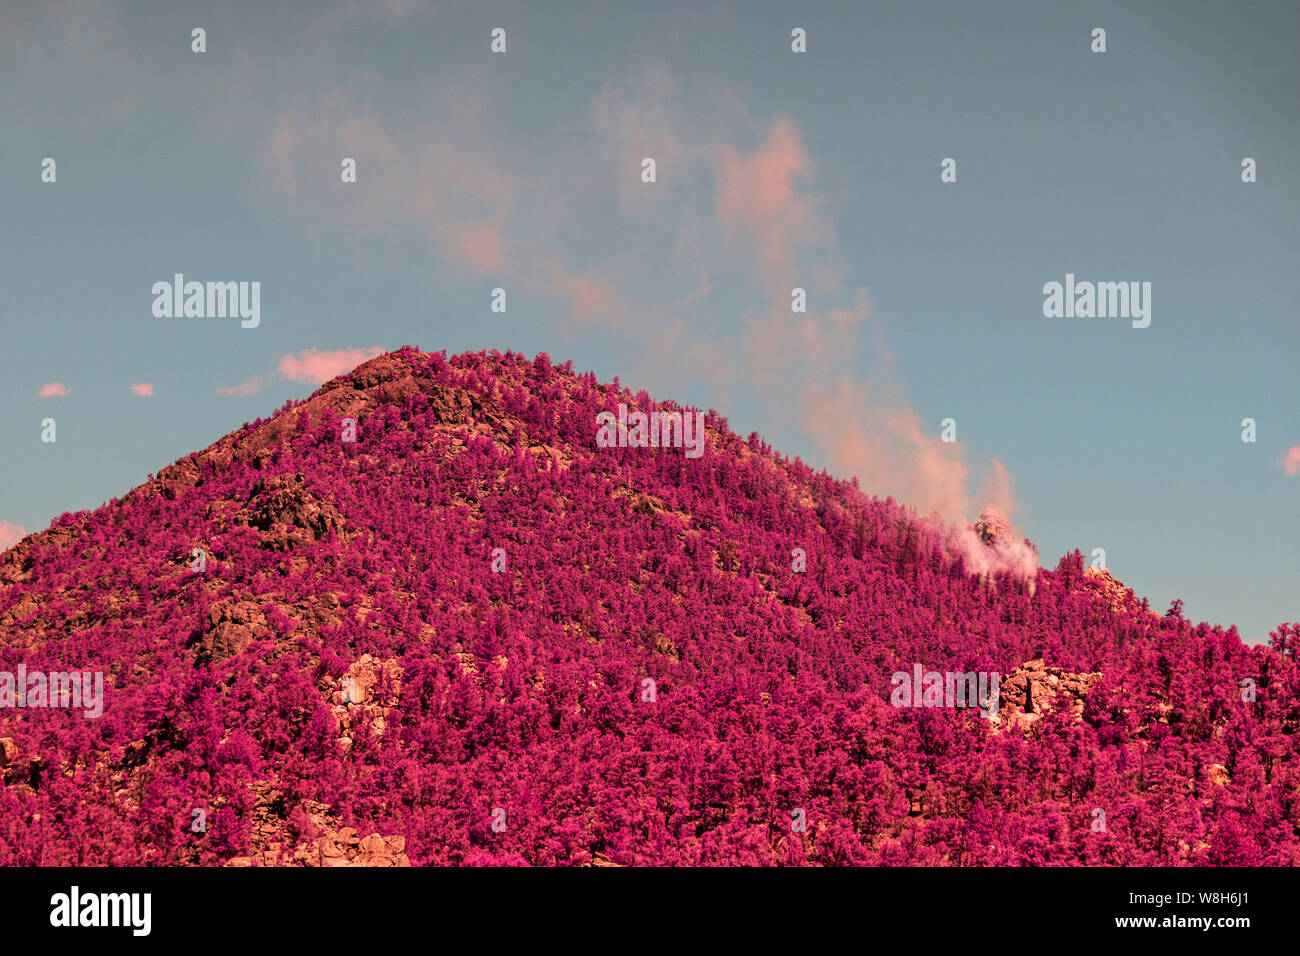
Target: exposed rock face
233,625
1033,688
288,514
15,772
1111,589
992,528
327,845
346,848
336,848
365,695
356,637
176,479
18,614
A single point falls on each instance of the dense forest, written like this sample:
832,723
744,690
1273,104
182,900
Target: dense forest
473,628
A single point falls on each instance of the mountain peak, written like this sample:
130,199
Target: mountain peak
993,529
427,605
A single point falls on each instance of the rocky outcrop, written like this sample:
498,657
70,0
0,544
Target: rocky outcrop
1111,591
346,848
288,514
176,479
325,845
18,771
337,848
365,695
993,529
1034,688
232,627
23,609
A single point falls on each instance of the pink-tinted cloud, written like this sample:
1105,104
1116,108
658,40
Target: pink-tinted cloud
445,175
481,246
888,447
689,256
315,366
442,177
10,534
244,389
299,133
1292,461
345,15
310,366
143,388
998,491
807,363
53,389
759,206
641,121
589,296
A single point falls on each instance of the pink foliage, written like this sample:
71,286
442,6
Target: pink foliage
525,689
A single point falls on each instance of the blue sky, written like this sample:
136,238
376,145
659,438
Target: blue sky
774,169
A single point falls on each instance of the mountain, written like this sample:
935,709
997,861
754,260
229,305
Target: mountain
430,616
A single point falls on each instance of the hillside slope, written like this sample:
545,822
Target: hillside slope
473,636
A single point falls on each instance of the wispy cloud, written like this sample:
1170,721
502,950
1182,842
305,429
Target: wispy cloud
310,366
769,216
143,388
738,200
639,120
759,205
443,178
346,14
315,366
10,534
480,246
246,388
1292,460
53,389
